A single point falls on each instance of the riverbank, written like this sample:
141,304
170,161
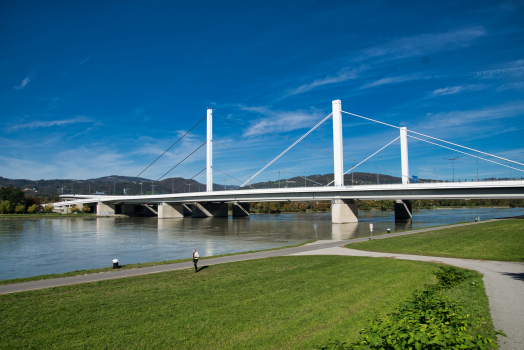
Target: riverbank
282,302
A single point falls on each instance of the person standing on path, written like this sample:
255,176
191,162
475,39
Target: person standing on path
195,259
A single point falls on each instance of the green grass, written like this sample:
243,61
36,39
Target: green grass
131,266
44,215
500,240
282,303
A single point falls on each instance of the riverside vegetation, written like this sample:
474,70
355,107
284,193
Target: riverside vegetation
498,240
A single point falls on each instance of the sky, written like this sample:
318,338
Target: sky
98,88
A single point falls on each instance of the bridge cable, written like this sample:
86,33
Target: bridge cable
431,137
366,159
182,161
191,178
170,147
227,174
263,161
305,144
470,149
471,155
287,149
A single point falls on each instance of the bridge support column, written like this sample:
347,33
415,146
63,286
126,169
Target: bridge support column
208,209
403,210
404,155
338,149
105,209
170,211
240,210
343,211
209,151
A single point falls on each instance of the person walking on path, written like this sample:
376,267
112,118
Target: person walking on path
195,259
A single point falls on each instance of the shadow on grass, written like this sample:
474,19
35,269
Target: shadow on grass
516,276
203,267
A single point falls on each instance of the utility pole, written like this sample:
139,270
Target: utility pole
172,185
189,190
436,177
141,189
305,173
225,185
378,179
153,187
453,164
278,177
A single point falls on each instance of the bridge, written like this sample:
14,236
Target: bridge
344,209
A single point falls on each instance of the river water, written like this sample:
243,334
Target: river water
57,245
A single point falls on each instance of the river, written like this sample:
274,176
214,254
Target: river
57,245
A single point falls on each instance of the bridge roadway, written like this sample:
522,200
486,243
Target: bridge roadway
342,198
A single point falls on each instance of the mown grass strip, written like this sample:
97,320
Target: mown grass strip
499,240
284,302
133,266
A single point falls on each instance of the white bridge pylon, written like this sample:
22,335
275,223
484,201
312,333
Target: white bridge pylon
338,149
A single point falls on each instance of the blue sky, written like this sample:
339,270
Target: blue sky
96,88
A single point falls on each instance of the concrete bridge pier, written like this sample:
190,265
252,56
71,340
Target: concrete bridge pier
343,211
170,210
208,209
403,210
240,210
105,209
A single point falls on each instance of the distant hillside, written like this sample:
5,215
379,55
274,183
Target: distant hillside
119,185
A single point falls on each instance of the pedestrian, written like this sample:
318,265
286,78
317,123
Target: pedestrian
195,259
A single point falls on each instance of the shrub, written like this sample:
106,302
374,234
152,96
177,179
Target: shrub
302,207
49,208
73,208
86,209
20,209
33,209
430,320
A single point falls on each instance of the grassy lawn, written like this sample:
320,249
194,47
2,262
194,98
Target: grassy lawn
133,266
500,240
283,303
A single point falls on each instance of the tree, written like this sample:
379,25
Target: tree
33,209
20,208
5,207
86,209
29,201
12,194
302,206
73,208
49,208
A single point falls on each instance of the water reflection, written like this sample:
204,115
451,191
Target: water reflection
52,245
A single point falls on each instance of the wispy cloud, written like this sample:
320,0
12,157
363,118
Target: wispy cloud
390,80
453,90
85,59
48,123
23,84
280,121
424,44
341,76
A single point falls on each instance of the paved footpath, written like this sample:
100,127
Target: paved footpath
504,281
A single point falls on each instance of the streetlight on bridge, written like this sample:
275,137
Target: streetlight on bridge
453,164
278,177
305,173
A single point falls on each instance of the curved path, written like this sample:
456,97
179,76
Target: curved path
504,281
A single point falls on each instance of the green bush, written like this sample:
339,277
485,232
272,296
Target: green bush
48,208
33,209
86,209
20,209
430,320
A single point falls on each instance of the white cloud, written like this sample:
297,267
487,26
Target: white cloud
280,121
424,44
452,90
342,76
48,123
390,80
22,84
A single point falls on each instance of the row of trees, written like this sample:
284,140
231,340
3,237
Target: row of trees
14,200
293,207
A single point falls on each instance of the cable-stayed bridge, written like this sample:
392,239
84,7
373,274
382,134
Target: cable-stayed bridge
344,210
